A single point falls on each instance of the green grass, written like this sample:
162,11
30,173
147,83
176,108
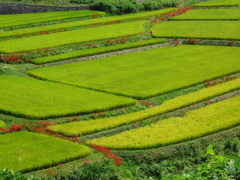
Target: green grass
83,23
25,151
218,3
2,124
92,126
197,29
196,123
93,51
148,73
209,14
30,98
30,18
71,37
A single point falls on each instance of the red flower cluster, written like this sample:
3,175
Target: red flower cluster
216,82
192,41
10,59
94,16
107,153
13,128
146,103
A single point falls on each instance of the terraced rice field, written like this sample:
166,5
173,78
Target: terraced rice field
209,14
176,90
197,29
71,37
22,19
148,73
218,3
39,99
20,151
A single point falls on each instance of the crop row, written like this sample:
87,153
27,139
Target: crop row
39,99
29,18
71,37
218,3
210,14
198,29
25,151
87,52
92,126
148,73
84,23
196,123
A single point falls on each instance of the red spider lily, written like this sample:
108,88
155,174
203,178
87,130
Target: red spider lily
94,16
107,153
15,127
192,41
50,171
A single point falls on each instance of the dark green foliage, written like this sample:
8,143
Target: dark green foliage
117,7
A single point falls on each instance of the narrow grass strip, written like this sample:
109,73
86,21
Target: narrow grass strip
25,151
148,73
2,124
196,123
93,51
84,22
218,3
71,37
92,126
30,18
197,29
31,98
209,14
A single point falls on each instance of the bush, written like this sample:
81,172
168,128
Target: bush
116,7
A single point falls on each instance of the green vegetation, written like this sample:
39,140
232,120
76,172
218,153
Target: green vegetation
71,37
91,126
29,18
39,99
218,3
87,52
197,29
209,14
148,73
25,151
196,123
83,22
126,6
2,124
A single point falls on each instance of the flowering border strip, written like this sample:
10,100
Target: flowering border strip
107,153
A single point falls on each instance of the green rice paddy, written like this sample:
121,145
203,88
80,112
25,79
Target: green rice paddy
198,29
147,73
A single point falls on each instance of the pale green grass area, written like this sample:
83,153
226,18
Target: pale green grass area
93,51
71,37
219,3
26,151
83,22
198,29
209,14
2,124
92,126
29,18
196,123
148,73
30,98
